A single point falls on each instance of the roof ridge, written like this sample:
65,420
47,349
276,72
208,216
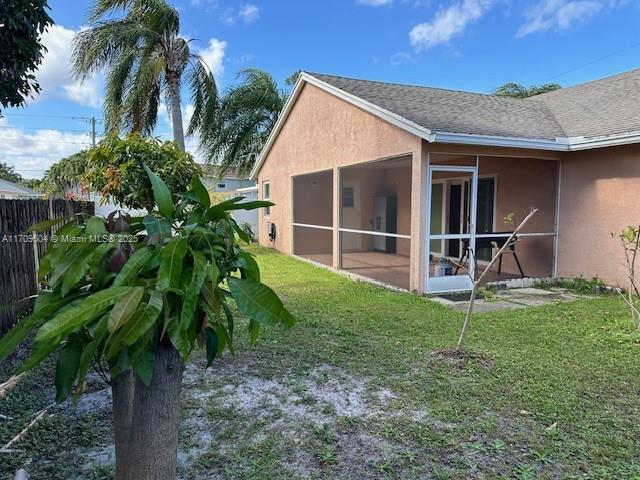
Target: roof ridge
583,84
506,99
411,85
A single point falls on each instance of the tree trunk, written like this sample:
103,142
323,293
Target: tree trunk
152,443
176,109
123,388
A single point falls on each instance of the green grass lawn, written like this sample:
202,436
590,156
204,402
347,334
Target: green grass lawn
354,390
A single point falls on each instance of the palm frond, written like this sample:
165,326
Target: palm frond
204,96
116,84
245,117
102,45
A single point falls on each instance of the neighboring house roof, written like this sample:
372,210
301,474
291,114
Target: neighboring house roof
7,187
214,171
594,114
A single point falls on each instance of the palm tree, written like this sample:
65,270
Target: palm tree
144,57
246,115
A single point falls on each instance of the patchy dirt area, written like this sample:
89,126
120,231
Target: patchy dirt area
325,423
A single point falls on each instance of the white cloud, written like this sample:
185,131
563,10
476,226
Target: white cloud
213,56
399,58
32,152
448,23
249,13
375,3
55,73
559,14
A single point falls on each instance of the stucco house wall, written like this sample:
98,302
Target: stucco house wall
322,132
599,195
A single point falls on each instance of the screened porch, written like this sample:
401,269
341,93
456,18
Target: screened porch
359,219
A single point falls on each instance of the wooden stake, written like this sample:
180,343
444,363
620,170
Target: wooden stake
9,384
24,431
476,283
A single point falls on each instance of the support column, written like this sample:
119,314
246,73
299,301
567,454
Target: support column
336,218
419,169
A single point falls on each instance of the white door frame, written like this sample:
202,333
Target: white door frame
443,222
452,283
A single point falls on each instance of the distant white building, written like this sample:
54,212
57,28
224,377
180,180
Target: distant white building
10,190
233,185
228,183
248,216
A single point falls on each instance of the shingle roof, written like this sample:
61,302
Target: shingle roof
13,188
603,107
608,106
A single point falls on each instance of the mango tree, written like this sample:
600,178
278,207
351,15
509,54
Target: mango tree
139,295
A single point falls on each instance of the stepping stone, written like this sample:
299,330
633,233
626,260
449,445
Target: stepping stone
535,291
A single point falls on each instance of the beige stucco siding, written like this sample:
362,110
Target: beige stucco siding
322,132
599,195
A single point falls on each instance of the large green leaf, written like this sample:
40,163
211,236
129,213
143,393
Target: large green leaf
144,363
192,293
47,224
241,233
259,302
249,266
211,343
179,338
231,201
161,193
57,250
133,266
156,227
49,304
73,276
145,318
72,266
67,366
90,349
200,191
249,205
95,226
76,317
171,259
124,309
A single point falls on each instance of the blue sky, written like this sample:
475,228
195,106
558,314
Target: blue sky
473,45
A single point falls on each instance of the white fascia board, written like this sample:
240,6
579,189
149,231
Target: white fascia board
253,188
559,144
581,143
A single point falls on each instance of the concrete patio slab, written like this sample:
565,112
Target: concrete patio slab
513,298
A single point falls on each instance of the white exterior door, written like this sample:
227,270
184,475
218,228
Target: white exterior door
459,272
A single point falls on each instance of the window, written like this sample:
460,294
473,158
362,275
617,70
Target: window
347,197
222,185
266,195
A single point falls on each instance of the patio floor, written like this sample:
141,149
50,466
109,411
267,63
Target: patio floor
389,268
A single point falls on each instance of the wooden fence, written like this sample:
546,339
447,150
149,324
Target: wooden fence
20,255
